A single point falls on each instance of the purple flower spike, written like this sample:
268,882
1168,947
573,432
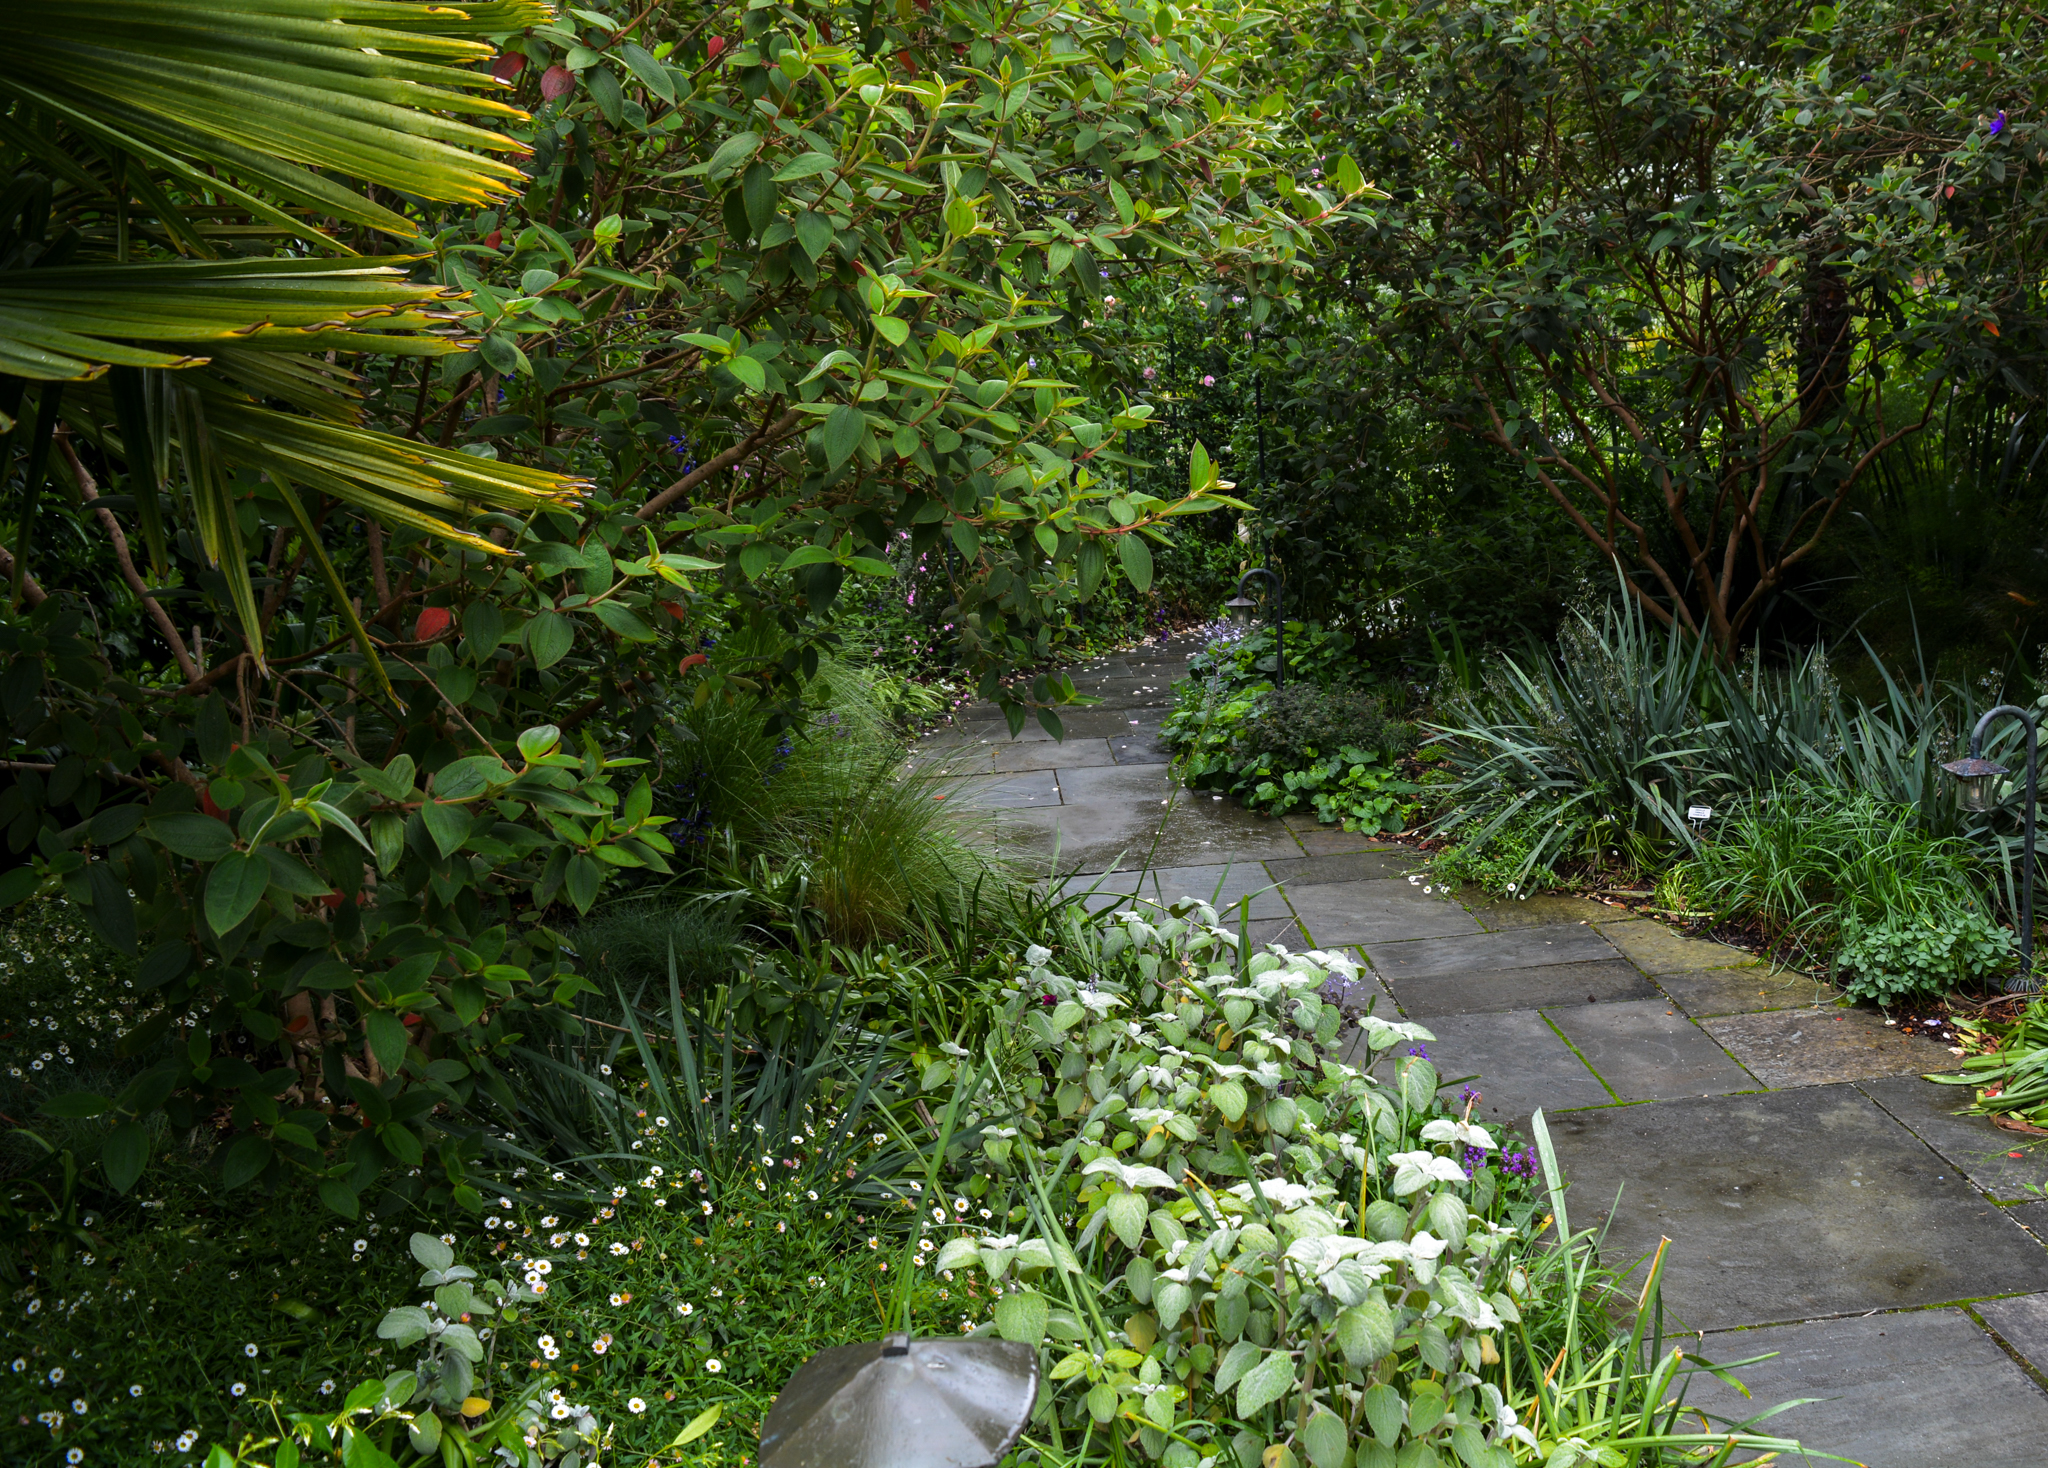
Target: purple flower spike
1998,124
1420,1052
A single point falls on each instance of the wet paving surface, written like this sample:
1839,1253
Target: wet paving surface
1823,1201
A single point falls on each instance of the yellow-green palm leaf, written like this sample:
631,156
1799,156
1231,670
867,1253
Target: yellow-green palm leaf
76,321
272,92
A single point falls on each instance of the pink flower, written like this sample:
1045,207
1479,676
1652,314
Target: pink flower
1208,379
1150,373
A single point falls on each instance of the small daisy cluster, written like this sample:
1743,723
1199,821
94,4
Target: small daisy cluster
72,997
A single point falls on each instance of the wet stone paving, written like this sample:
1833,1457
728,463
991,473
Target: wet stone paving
1825,1205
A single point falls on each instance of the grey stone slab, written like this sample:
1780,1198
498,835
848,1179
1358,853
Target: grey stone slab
1656,949
1140,747
2021,1321
1544,909
1356,866
1377,910
1519,1061
1282,931
1971,1143
1702,992
1480,952
1225,885
1100,723
2033,1217
1006,792
1647,1051
1096,668
1812,1047
1048,754
1332,840
1118,815
1523,988
1134,691
980,724
1925,1389
1787,1205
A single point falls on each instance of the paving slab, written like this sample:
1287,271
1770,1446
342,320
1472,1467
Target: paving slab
1101,723
1927,1389
1788,1205
1112,816
1224,885
1972,1143
1710,991
1812,1047
2033,1217
1376,910
1356,866
1321,840
1519,1061
1647,1051
1049,754
1523,988
1542,910
1006,792
1140,747
1656,949
1480,952
2022,1323
1131,691
1285,932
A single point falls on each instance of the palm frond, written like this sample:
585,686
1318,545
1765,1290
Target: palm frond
278,93
75,321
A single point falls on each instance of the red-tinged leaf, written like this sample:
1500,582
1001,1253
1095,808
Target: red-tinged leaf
432,623
691,661
495,238
508,66
714,48
557,82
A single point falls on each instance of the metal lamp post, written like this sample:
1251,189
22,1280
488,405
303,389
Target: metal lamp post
1240,609
1979,780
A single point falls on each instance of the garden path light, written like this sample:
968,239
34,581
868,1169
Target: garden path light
1240,609
903,1403
1978,777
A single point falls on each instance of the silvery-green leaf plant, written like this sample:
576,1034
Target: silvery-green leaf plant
1233,1246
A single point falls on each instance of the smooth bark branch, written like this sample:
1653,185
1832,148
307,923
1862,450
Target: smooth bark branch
89,491
766,433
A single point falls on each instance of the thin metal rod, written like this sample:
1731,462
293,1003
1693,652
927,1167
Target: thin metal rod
1277,590
2026,983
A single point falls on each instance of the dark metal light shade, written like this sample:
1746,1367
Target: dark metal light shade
1979,780
1240,609
900,1403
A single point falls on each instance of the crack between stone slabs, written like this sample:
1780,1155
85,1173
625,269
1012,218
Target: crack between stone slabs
1565,1040
1963,1303
2027,1368
1960,1171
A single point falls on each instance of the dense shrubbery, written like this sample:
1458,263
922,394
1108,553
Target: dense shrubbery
1235,1248
1321,741
1833,824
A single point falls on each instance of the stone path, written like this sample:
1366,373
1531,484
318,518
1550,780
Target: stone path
1822,1201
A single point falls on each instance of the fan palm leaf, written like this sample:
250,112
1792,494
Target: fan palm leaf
275,91
140,131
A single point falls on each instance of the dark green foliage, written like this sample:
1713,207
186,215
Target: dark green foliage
627,947
1301,721
1319,742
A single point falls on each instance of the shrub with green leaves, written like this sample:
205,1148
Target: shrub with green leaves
1236,1242
1897,959
1308,745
